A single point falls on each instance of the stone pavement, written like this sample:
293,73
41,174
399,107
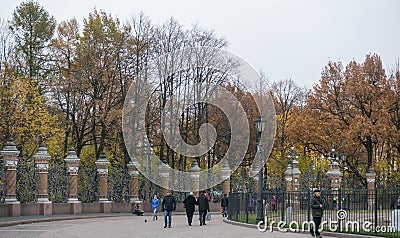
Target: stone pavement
136,226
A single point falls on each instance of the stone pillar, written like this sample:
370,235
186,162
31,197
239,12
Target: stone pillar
288,178
296,173
255,184
335,176
42,165
133,182
226,175
102,168
10,155
371,186
72,164
289,184
194,173
163,170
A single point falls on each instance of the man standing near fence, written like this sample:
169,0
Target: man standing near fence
224,205
317,205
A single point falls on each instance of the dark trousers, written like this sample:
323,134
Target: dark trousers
189,217
317,221
202,217
167,217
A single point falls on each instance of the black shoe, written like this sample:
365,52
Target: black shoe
165,226
204,223
201,224
169,226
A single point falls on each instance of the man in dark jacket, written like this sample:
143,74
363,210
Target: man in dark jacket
317,205
168,205
224,205
189,204
204,207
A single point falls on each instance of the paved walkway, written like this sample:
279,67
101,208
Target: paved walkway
134,226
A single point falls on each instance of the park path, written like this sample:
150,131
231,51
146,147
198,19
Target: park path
134,226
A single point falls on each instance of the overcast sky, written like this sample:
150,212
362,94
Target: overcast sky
284,38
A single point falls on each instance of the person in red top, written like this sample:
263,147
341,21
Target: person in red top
207,196
273,203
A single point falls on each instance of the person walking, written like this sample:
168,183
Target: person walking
207,196
204,207
168,205
224,205
273,203
317,205
154,206
189,204
251,204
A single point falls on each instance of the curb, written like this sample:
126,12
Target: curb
72,217
50,219
325,233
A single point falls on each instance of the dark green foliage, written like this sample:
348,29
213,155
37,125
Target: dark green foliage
33,28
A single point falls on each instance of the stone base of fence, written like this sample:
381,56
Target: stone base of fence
32,209
10,209
46,208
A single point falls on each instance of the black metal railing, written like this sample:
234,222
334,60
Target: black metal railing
3,180
365,212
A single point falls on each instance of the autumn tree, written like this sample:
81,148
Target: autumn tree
348,108
33,27
64,86
288,97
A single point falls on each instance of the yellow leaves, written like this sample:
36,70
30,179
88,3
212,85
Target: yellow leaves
29,121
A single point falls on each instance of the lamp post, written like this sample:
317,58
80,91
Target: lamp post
343,158
292,154
311,174
260,124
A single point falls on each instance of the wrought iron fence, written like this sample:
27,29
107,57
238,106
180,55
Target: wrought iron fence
118,183
365,212
57,181
88,181
27,180
3,180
